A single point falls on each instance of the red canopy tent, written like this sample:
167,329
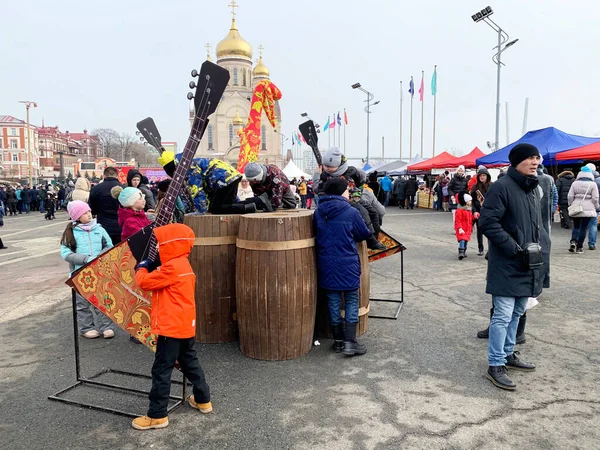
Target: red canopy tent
591,151
431,163
467,160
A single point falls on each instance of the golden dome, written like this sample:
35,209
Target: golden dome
261,70
237,120
234,45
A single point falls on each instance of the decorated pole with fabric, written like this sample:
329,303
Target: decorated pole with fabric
345,125
421,92
411,90
264,97
434,92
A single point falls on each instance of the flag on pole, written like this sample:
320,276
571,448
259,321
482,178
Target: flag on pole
434,81
326,127
332,124
411,87
339,119
345,117
422,88
299,137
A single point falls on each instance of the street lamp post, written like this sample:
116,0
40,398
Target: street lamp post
503,44
369,99
29,158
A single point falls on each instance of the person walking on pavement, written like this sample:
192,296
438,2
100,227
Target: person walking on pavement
593,226
563,184
457,184
302,190
519,258
411,191
478,193
104,206
386,187
583,207
399,189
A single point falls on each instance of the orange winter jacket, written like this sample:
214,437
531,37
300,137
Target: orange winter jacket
172,284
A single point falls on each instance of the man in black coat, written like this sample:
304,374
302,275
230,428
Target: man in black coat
510,219
104,206
411,190
399,189
563,184
26,197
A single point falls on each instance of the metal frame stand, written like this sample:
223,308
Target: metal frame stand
400,302
81,381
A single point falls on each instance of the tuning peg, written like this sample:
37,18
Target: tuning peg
190,96
192,84
142,138
194,73
137,133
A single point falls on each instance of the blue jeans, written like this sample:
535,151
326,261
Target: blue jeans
503,327
26,207
580,227
334,300
593,231
42,206
386,196
463,244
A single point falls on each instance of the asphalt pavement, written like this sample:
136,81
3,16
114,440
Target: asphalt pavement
421,385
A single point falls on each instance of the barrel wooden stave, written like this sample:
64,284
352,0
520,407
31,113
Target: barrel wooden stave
276,292
214,266
322,329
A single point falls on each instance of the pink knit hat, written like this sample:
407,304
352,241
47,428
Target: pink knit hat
77,208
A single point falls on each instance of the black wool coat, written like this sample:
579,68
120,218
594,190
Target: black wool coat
105,207
510,218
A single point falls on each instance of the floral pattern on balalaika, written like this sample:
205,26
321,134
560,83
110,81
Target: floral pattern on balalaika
108,283
392,246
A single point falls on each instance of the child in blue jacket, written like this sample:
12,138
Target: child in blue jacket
338,228
82,241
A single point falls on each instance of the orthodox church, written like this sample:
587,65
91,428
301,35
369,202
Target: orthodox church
221,140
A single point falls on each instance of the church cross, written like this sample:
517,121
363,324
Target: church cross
260,50
233,5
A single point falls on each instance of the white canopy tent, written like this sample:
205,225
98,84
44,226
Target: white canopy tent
291,170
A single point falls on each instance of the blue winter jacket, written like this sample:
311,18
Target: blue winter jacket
338,227
89,245
386,184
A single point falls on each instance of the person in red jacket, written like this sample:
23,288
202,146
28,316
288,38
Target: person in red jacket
173,321
132,217
463,223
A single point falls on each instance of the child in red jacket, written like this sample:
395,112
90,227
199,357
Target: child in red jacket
132,217
173,322
463,223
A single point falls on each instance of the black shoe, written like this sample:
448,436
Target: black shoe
480,252
486,256
337,332
592,247
572,246
513,362
2,246
521,329
579,250
351,347
461,253
499,377
485,334
374,244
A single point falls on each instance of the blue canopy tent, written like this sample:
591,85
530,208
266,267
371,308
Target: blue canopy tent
549,142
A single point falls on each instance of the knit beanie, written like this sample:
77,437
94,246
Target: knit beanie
255,171
586,169
592,166
332,157
127,197
335,186
461,167
521,152
76,209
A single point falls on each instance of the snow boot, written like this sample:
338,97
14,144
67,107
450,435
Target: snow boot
351,347
461,253
374,244
337,331
2,247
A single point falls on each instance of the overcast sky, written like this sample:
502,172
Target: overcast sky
110,63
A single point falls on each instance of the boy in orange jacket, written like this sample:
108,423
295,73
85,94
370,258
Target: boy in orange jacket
173,320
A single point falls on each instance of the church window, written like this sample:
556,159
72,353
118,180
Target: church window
235,76
244,77
230,134
210,137
263,137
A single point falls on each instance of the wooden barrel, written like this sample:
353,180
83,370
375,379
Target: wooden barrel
213,262
276,284
322,321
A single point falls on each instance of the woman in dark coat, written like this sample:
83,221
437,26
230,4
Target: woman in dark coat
411,190
11,201
478,192
399,189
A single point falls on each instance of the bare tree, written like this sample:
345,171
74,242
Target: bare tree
108,141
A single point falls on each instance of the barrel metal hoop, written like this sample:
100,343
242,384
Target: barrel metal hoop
275,246
217,240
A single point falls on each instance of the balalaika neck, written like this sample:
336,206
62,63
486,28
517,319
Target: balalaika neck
170,200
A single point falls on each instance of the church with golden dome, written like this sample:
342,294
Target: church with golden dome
221,140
